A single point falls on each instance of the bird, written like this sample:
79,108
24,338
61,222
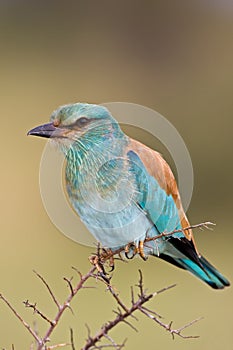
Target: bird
123,191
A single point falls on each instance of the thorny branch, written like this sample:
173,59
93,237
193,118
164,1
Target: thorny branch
109,254
123,312
200,226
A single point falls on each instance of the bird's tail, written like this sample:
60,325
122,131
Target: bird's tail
206,272
195,264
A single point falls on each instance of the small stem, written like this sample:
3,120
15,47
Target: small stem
26,325
64,306
48,287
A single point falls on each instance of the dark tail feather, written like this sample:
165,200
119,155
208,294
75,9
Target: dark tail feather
203,270
195,263
218,280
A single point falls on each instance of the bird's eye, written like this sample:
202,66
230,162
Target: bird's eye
82,122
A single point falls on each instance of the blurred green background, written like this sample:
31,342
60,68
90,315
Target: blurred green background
172,56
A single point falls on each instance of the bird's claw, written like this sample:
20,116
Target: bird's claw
141,250
136,250
107,254
98,261
128,250
112,267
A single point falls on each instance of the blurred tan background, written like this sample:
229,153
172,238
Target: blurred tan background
173,56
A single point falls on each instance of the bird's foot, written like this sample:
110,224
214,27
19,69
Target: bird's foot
107,255
130,250
141,250
99,259
134,249
95,260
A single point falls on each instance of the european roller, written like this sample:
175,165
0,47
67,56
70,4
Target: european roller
124,192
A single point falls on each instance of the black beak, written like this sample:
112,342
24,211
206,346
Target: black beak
47,130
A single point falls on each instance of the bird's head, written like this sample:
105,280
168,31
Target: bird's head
73,121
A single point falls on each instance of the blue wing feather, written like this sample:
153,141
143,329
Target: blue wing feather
158,205
161,208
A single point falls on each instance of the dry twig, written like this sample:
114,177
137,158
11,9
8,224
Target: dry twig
123,312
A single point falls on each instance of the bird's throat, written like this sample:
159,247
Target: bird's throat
95,165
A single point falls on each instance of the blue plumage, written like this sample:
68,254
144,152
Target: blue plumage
123,191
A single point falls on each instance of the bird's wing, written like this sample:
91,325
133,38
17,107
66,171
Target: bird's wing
164,196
